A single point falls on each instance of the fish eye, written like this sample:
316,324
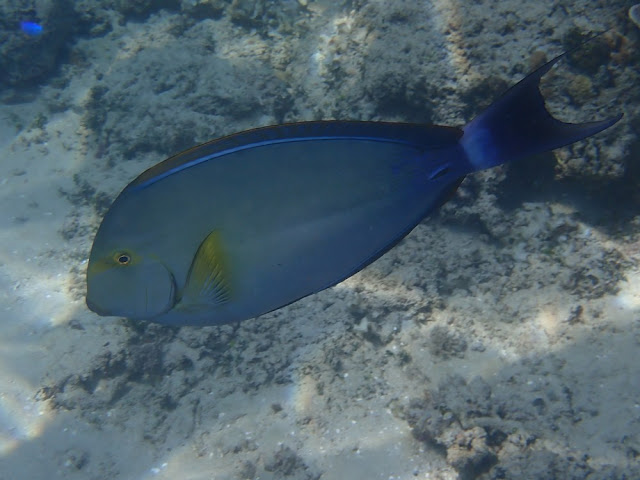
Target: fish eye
122,258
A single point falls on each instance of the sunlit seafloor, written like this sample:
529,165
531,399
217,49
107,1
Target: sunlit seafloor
499,338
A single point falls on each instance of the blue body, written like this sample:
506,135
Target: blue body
31,28
246,224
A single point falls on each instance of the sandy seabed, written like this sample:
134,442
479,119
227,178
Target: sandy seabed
498,340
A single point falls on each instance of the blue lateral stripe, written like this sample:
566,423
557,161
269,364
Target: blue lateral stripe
228,151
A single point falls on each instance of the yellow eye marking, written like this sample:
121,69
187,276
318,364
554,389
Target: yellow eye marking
114,259
122,258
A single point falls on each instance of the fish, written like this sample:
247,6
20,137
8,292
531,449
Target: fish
246,224
32,29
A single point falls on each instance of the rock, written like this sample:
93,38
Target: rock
75,459
286,462
470,455
444,342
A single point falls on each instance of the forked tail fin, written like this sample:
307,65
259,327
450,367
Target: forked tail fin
518,125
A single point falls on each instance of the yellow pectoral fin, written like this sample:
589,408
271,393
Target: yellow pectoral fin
208,281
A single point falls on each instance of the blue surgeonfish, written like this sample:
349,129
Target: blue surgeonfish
31,28
248,223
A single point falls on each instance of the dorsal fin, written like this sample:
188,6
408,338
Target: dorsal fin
428,136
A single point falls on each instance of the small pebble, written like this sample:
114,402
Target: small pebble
634,14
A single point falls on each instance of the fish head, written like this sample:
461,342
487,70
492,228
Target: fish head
124,278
